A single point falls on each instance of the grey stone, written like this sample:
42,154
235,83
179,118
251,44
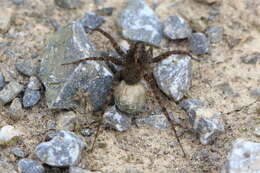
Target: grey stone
61,82
204,121
91,21
138,22
243,158
257,131
175,27
251,59
80,170
116,120
62,151
215,34
2,80
10,91
173,75
30,166
68,3
5,19
18,152
67,121
16,110
31,97
199,44
105,11
7,133
28,67
34,83
86,132
6,167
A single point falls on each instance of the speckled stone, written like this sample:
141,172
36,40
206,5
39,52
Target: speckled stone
199,44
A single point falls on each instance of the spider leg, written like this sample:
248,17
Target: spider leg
166,54
113,41
112,59
150,80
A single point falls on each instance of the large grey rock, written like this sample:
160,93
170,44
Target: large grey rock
116,120
243,158
138,22
204,121
173,75
68,3
63,150
63,81
10,91
30,166
175,27
199,44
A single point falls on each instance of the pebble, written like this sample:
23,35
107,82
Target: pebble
80,170
5,19
10,91
2,81
28,67
173,75
6,167
257,131
16,110
91,21
205,122
69,4
86,132
7,133
215,34
105,11
138,22
31,97
116,120
30,166
199,44
63,150
175,27
254,58
34,83
18,152
61,82
243,158
67,121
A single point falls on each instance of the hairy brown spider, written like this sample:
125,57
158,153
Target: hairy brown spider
137,65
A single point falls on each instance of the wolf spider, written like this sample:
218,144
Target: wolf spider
137,65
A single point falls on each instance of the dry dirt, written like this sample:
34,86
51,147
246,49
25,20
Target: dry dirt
145,148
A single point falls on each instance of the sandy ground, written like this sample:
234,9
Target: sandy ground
146,149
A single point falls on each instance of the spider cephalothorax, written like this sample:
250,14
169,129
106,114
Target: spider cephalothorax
137,65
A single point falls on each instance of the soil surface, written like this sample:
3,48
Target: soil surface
221,80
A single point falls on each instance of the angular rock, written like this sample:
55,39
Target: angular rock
204,121
31,97
2,80
30,166
173,75
80,170
34,83
215,34
28,67
116,119
70,44
68,3
243,158
67,121
175,27
6,167
7,133
138,22
10,91
16,110
91,21
62,151
18,152
5,19
199,44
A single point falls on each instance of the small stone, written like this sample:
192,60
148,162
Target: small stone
63,150
138,22
215,34
5,19
116,119
204,121
80,170
27,68
176,27
86,132
7,133
255,92
67,121
34,83
6,167
16,110
10,91
251,59
18,152
198,43
173,75
130,98
91,21
105,11
70,4
31,97
2,81
257,131
30,166
243,158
